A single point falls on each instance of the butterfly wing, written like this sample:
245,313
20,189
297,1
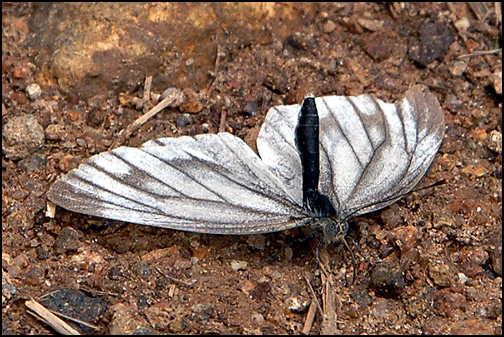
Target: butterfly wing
370,151
207,184
277,147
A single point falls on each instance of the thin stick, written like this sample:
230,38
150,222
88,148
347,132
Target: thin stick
180,282
310,317
216,67
76,320
147,88
222,125
329,322
125,134
314,296
481,52
42,313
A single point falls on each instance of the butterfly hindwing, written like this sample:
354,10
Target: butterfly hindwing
370,151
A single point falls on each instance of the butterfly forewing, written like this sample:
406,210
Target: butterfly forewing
207,183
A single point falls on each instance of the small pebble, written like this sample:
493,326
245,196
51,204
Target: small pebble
33,91
239,265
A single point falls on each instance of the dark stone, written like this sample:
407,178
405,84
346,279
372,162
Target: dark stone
434,41
387,280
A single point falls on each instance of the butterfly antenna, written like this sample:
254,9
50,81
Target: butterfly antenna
396,197
353,260
437,183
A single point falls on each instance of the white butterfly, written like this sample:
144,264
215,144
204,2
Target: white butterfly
371,154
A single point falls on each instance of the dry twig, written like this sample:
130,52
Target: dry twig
222,124
310,318
125,134
180,282
329,322
45,315
481,52
216,67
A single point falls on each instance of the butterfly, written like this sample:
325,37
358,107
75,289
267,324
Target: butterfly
319,163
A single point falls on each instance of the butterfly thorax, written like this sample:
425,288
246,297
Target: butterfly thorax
325,216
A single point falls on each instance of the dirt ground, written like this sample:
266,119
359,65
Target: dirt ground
73,76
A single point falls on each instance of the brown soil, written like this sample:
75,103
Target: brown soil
431,263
